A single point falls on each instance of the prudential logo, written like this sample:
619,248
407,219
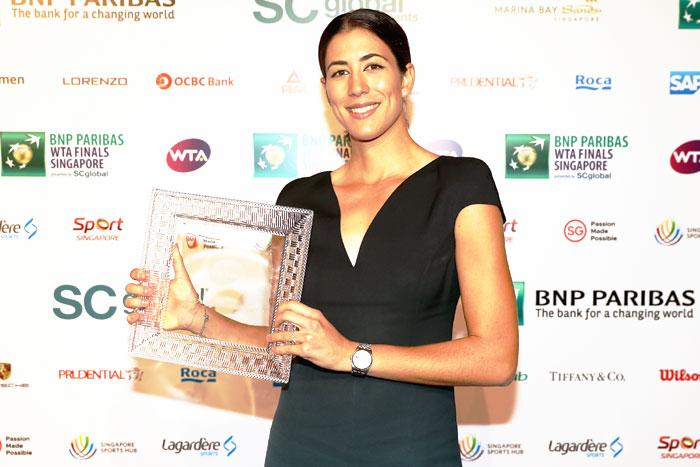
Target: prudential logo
188,155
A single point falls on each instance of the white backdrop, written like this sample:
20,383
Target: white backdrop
485,70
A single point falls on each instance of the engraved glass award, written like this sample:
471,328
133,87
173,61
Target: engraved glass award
243,259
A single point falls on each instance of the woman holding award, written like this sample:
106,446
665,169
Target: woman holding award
399,235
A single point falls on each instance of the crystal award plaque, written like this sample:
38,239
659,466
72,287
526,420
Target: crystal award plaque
243,259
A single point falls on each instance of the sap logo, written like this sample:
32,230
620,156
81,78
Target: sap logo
188,155
684,82
594,83
65,295
279,11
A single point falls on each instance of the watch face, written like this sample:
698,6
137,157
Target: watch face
361,359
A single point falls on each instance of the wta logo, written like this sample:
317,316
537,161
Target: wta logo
470,448
686,158
81,448
188,155
668,233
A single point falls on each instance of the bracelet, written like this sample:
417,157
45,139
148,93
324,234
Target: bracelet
204,321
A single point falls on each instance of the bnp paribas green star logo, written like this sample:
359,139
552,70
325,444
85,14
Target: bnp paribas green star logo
274,155
22,154
689,14
527,156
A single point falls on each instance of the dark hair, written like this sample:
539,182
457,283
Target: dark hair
382,25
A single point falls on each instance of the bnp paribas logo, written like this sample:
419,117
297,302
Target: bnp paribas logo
275,155
689,14
527,156
519,289
22,154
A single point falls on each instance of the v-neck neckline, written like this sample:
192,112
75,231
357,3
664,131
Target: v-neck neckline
376,215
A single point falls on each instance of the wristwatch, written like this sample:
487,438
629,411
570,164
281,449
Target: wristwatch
361,359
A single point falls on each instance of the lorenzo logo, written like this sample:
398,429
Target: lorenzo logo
686,158
684,82
188,155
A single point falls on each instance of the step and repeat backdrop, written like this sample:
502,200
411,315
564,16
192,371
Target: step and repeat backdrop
585,111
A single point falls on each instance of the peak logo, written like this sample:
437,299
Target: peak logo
668,233
686,158
166,81
23,154
591,83
684,82
188,155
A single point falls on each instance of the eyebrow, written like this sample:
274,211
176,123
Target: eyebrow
362,59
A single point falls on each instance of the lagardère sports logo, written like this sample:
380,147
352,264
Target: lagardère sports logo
166,81
686,158
188,155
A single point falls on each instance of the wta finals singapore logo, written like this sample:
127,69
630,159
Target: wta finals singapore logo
689,14
686,158
668,233
82,448
470,448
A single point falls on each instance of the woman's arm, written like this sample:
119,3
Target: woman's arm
487,356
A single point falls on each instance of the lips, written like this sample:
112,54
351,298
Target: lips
363,110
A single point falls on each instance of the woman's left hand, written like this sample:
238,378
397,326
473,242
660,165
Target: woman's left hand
315,339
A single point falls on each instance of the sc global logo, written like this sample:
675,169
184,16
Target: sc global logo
278,12
98,302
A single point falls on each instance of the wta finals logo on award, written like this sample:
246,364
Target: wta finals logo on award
243,258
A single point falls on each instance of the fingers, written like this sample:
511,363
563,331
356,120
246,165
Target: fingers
139,275
133,318
136,302
138,289
295,318
178,263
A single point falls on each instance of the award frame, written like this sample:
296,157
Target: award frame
149,340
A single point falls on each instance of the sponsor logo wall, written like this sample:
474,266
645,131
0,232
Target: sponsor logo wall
593,144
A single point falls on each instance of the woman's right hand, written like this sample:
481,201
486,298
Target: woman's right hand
183,311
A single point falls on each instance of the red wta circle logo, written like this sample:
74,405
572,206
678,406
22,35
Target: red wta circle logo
686,158
188,155
164,81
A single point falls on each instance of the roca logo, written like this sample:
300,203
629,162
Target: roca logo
686,158
188,155
74,302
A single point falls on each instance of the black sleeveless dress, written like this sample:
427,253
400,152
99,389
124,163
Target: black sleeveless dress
403,290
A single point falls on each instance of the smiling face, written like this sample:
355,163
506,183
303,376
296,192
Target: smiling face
364,85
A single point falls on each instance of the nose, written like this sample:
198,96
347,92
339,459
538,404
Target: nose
357,84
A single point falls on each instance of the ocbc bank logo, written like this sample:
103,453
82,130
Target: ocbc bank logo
74,302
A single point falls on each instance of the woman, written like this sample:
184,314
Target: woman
399,235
